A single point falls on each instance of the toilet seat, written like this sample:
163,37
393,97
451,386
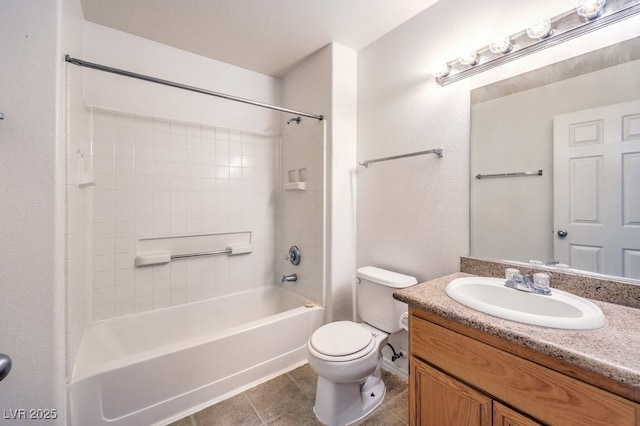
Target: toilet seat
342,341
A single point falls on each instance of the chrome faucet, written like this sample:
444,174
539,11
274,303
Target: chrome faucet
289,278
524,282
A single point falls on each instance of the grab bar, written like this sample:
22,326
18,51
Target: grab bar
205,253
438,151
5,366
515,174
158,258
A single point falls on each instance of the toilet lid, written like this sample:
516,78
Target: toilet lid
341,338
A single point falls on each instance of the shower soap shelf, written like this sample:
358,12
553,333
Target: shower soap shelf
85,180
295,186
80,176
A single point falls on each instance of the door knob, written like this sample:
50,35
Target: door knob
562,233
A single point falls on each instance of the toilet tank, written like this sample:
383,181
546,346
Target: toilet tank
374,292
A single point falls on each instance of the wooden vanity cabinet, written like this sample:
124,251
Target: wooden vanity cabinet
458,379
440,399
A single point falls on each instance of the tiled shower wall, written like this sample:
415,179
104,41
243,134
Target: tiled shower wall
79,200
303,217
156,178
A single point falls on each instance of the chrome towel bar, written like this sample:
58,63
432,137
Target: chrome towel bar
161,257
515,174
438,151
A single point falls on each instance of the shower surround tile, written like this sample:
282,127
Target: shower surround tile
157,177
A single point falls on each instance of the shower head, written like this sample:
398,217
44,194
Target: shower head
296,119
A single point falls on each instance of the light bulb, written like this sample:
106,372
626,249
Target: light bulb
590,9
441,70
469,58
502,45
540,30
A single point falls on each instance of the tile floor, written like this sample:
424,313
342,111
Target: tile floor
288,400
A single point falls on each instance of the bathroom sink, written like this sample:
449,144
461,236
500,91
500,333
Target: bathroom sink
558,310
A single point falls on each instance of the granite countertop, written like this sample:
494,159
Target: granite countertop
612,352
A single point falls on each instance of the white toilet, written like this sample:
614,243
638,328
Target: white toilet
347,356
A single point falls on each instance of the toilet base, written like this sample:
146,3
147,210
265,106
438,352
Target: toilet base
340,404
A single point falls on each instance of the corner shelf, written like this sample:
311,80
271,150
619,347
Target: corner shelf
85,180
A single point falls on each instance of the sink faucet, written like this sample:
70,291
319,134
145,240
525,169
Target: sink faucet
289,278
523,282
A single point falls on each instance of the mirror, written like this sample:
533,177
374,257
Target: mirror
524,217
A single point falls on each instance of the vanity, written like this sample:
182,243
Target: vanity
471,368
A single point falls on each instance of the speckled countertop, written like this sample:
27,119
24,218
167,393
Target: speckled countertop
612,352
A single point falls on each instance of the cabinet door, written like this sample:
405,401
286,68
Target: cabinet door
436,399
505,416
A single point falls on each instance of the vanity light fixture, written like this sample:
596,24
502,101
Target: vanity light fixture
589,15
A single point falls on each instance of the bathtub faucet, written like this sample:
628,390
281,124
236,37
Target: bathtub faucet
289,278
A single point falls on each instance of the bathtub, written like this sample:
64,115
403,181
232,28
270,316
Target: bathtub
155,367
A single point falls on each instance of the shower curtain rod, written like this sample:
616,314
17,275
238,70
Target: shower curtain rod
125,73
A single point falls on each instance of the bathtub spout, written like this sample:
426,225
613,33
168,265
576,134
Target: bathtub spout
289,278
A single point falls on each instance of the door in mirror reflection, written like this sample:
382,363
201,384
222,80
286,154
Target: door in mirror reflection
597,189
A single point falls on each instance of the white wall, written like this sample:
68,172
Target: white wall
121,50
32,198
342,162
413,213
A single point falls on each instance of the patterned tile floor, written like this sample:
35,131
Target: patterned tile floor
288,400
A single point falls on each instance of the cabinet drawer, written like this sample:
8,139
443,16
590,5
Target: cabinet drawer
548,396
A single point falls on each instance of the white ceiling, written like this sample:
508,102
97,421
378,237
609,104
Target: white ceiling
267,36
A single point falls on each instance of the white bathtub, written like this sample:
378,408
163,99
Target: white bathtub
154,367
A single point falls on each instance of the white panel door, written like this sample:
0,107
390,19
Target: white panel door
597,189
